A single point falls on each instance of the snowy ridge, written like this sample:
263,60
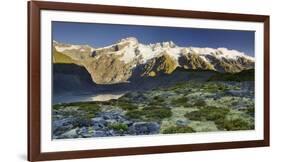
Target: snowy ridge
71,47
147,52
68,47
116,63
130,51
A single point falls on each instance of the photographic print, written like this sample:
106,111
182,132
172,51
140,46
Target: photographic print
118,80
111,80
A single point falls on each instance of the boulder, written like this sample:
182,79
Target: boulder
61,126
98,123
83,122
144,128
84,132
62,122
181,122
70,134
99,134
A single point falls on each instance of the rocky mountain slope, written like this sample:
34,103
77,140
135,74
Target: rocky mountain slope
127,59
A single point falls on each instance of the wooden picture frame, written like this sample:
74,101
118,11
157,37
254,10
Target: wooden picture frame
34,78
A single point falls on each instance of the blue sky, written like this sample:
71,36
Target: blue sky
99,35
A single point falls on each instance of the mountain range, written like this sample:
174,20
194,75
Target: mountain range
128,59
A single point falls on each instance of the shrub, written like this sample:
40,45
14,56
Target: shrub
92,108
250,111
210,113
118,127
246,75
179,86
213,113
155,104
57,106
90,115
187,105
179,101
135,114
200,103
158,113
126,106
218,115
158,99
237,124
178,129
195,115
214,87
150,113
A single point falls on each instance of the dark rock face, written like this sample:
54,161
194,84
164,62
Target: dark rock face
71,78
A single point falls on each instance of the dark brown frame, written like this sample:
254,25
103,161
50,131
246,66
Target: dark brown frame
34,136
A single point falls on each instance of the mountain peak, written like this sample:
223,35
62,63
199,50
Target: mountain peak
169,44
132,40
116,63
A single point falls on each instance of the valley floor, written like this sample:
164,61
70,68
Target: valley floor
186,107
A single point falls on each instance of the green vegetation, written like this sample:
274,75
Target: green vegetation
155,113
156,103
246,75
89,108
135,114
250,111
90,115
200,103
214,87
57,106
179,101
126,105
158,99
118,127
178,129
218,115
182,108
209,113
178,86
237,124
150,113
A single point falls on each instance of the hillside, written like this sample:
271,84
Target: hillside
59,57
246,75
122,61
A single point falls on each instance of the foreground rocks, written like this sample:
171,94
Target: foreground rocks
109,123
183,108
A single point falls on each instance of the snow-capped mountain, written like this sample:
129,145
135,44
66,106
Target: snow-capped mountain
116,63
